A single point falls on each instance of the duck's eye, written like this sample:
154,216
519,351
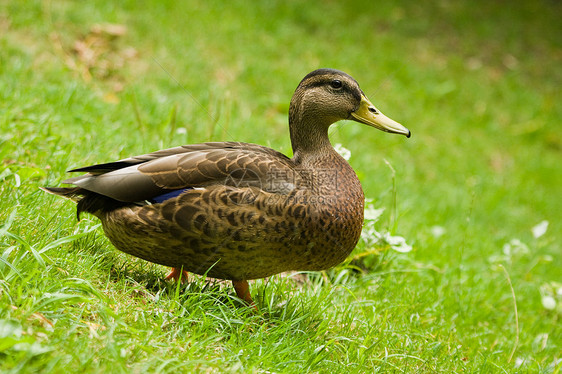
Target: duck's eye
336,84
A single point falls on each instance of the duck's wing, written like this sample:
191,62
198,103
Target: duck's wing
219,163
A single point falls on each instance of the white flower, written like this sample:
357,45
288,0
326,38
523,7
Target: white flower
540,229
373,214
372,237
515,247
344,152
551,296
438,231
519,361
369,234
397,243
548,302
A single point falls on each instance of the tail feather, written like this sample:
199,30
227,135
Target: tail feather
87,201
72,193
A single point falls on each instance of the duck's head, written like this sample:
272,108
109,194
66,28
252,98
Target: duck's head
326,96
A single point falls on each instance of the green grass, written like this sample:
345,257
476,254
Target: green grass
477,83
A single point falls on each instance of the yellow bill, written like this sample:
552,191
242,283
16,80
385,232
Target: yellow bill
369,115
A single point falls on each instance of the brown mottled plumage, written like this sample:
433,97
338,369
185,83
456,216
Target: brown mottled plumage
243,211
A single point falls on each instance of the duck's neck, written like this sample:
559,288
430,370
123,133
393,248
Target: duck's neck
309,132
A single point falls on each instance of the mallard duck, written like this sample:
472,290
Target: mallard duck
240,211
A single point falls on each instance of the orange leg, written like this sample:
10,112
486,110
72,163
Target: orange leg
177,274
243,291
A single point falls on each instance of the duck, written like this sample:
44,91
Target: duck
240,211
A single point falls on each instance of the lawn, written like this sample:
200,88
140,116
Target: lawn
476,191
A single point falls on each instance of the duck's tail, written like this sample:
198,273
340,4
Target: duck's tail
87,201
73,193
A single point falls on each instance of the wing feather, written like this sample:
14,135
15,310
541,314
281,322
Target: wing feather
146,176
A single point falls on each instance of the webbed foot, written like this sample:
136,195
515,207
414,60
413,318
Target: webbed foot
243,292
177,274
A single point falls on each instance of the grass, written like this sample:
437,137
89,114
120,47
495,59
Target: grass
478,84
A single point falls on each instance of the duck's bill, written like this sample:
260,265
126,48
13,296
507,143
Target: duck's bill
369,115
